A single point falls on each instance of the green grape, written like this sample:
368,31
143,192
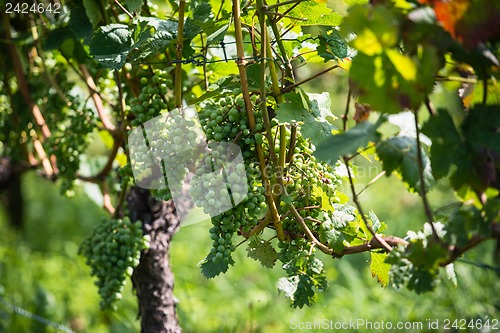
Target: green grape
150,101
112,251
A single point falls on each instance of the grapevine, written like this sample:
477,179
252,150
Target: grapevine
186,122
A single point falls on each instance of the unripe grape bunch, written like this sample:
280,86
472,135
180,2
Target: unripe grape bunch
112,251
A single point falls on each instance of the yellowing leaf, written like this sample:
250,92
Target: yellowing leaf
121,158
405,66
325,200
380,268
368,43
345,63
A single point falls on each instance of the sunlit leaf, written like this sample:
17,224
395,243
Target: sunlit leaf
348,142
380,268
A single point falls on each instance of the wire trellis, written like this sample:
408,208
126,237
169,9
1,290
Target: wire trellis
201,59
25,313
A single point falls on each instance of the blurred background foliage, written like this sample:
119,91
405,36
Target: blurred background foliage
40,271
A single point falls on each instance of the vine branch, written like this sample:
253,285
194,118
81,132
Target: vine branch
423,190
355,198
251,119
178,57
96,98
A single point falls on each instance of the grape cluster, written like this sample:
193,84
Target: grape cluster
172,139
69,142
224,120
151,100
113,251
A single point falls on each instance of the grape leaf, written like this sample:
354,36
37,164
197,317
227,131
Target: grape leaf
111,44
380,268
304,295
331,46
218,35
396,81
79,23
376,28
93,10
348,142
446,145
310,12
165,33
481,128
338,230
292,110
376,224
400,154
312,110
326,203
134,5
211,269
330,235
262,251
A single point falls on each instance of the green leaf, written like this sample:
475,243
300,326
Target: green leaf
134,5
339,230
313,111
321,107
463,225
79,22
93,10
165,34
292,110
314,13
326,203
376,224
400,154
56,37
330,235
218,36
348,142
111,44
201,12
331,46
142,32
376,28
380,268
446,142
481,128
304,295
263,251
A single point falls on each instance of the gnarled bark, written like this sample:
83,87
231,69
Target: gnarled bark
153,279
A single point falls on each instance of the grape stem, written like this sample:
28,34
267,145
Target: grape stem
178,66
355,198
284,3
96,98
323,248
251,119
264,222
263,87
293,86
